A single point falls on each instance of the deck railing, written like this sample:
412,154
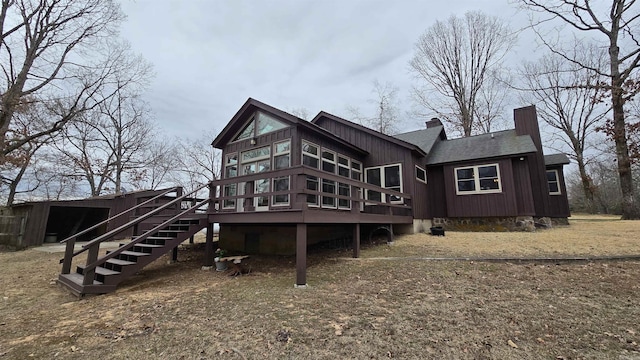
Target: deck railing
298,192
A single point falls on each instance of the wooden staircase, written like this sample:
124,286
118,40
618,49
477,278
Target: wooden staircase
166,221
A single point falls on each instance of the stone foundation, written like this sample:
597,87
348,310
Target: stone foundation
513,223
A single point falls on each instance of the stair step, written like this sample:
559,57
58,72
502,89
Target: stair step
148,245
77,278
134,253
99,270
120,262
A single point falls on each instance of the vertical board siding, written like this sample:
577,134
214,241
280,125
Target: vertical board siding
436,196
481,205
559,204
521,179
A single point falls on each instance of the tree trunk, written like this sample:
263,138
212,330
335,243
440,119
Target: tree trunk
587,187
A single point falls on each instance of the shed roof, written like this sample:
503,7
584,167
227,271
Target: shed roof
556,159
498,144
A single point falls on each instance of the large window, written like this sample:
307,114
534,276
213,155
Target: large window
256,160
261,186
554,184
260,124
478,179
388,177
328,161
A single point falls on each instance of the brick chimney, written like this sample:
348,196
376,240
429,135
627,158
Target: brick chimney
433,123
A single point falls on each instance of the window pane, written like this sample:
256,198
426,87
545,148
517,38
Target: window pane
551,176
421,174
553,187
232,159
249,169
328,186
343,160
247,132
329,156
344,190
392,176
312,184
355,175
374,195
231,171
394,197
282,147
281,184
487,172
328,167
256,153
264,165
466,185
489,184
281,161
309,148
464,174
267,124
263,201
373,177
310,161
229,190
262,186
343,171
355,165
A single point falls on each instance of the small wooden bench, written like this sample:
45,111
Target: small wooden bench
234,263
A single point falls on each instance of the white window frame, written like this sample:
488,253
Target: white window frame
229,203
229,165
359,172
348,206
335,191
346,166
418,168
476,178
557,181
382,182
303,153
254,161
282,153
333,162
318,183
257,195
274,203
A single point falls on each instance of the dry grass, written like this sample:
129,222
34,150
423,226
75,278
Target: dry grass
353,309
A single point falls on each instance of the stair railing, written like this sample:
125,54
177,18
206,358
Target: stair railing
93,246
89,270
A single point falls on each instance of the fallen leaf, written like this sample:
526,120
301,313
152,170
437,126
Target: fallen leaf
512,344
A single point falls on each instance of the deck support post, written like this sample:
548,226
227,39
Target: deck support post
390,239
356,240
208,248
301,256
174,254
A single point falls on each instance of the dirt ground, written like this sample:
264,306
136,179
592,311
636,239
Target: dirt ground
359,309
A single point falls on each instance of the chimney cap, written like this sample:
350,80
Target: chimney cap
433,123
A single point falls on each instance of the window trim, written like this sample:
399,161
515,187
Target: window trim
328,161
559,192
228,165
254,118
425,174
226,204
303,153
274,203
476,179
383,197
276,154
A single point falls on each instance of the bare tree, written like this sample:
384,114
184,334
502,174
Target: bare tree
385,117
567,99
198,161
454,59
46,55
615,26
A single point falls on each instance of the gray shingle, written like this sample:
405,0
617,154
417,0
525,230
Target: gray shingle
556,159
424,138
498,144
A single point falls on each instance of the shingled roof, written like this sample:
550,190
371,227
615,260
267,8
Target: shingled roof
498,144
556,159
424,138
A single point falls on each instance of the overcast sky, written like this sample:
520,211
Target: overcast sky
210,56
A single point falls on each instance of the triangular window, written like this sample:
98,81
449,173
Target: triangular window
260,123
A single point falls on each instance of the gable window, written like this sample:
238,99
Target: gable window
281,184
310,154
478,179
256,160
281,155
554,184
421,174
231,165
388,177
260,124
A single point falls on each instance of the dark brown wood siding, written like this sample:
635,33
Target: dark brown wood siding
522,183
482,205
384,152
559,204
437,198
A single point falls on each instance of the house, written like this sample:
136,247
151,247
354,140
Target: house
288,184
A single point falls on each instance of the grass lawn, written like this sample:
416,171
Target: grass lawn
362,309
